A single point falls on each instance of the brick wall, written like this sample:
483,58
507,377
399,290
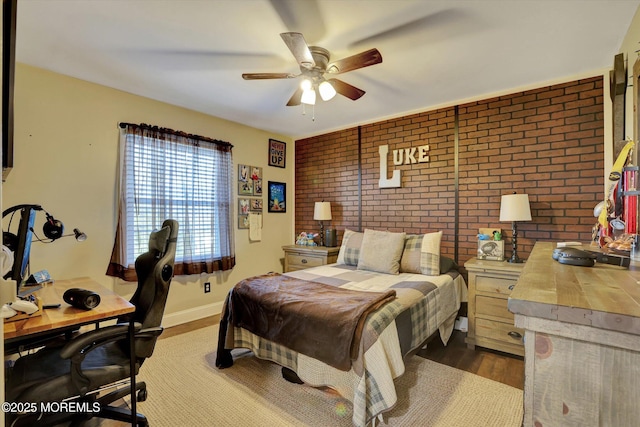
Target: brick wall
546,142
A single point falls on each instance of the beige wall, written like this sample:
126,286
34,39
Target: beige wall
630,50
66,148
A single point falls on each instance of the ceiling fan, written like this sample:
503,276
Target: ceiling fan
314,66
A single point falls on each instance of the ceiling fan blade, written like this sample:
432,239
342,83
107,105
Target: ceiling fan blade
301,16
298,46
360,60
263,76
295,99
345,89
442,24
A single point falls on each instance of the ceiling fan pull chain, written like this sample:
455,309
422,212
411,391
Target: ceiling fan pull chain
313,113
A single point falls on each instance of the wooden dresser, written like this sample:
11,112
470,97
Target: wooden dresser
582,342
491,324
298,257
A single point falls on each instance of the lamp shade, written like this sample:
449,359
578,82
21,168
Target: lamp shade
322,211
515,207
308,97
326,91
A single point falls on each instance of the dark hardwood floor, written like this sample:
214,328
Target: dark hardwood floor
497,366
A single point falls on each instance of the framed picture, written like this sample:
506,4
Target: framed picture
256,173
277,153
491,250
257,187
277,194
243,173
255,205
243,206
243,221
245,188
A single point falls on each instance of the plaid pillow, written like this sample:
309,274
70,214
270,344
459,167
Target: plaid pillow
410,262
421,254
350,249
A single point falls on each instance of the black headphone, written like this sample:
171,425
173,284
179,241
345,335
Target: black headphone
53,229
574,256
18,207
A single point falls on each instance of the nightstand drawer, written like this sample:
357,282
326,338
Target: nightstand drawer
493,307
500,331
298,257
497,285
491,324
304,261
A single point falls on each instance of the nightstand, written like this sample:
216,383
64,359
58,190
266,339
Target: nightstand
491,324
298,257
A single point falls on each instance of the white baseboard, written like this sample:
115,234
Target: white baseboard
191,314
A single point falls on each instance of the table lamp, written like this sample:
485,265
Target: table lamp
322,212
515,207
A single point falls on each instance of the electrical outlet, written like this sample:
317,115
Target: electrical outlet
207,287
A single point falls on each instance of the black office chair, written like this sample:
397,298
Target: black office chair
92,363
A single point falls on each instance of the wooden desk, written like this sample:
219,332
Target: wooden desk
59,320
582,342
66,317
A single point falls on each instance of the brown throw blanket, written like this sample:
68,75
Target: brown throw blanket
321,321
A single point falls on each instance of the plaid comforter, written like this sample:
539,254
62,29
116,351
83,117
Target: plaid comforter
424,305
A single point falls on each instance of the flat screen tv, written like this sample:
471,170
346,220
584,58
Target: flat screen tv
8,72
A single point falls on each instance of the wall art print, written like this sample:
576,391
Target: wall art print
277,194
277,153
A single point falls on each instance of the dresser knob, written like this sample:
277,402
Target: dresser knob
515,335
304,261
511,287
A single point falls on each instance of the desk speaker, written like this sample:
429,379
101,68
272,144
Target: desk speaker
81,298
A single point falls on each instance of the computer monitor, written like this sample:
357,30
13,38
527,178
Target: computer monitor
23,247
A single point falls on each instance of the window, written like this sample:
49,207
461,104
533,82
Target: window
167,174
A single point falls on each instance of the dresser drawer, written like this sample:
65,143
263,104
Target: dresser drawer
498,285
493,307
499,331
304,261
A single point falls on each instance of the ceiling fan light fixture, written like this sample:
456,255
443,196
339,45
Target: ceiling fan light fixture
326,91
306,84
309,97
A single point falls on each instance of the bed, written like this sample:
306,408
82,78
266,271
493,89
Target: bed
417,294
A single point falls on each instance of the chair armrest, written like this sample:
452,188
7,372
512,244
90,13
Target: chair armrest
149,332
80,346
87,341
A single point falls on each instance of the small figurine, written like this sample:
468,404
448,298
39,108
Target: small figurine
301,239
306,239
310,237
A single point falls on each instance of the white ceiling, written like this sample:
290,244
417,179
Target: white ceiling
192,53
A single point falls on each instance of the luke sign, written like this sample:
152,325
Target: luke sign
401,156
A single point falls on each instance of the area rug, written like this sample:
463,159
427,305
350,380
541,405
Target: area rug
185,388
